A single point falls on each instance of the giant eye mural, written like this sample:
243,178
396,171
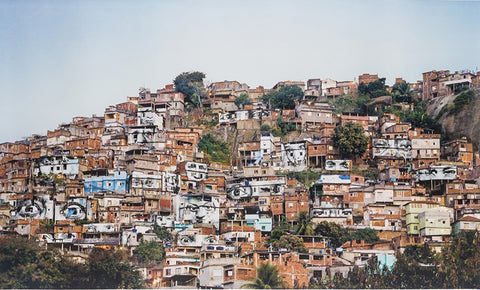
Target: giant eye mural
73,211
239,191
440,172
398,148
337,165
36,208
186,240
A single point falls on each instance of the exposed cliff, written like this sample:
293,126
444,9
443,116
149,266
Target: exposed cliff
459,115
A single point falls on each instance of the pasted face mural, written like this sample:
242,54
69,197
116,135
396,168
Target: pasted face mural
331,212
243,115
76,209
170,182
196,240
294,155
239,191
166,221
146,181
36,208
399,148
337,165
141,136
100,228
196,171
57,238
258,114
204,209
150,118
226,117
441,172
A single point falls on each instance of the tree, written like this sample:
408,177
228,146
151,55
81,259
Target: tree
336,233
284,127
162,233
242,100
422,254
191,84
290,242
374,89
408,272
268,277
304,224
350,140
265,128
369,235
276,234
459,262
216,151
24,264
401,92
149,251
284,98
110,269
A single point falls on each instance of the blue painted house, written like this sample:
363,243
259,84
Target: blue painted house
117,183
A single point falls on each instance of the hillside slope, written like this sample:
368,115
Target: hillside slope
464,122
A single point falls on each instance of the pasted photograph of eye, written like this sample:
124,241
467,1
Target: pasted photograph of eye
449,170
381,143
344,164
210,240
186,240
30,209
74,211
191,207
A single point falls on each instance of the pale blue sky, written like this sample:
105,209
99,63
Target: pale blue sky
60,59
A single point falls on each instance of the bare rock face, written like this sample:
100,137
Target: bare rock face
464,123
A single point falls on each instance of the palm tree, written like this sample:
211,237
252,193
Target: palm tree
268,277
304,224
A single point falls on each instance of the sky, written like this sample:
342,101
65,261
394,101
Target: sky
61,59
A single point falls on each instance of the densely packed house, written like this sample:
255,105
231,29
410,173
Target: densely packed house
105,181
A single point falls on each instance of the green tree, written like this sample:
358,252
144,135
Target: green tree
459,262
242,100
191,84
275,235
408,272
268,277
111,269
285,127
304,224
216,151
422,254
265,128
290,242
374,89
336,233
401,92
24,264
149,251
350,140
162,233
284,98
369,235
462,100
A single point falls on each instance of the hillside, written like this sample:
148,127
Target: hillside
459,115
